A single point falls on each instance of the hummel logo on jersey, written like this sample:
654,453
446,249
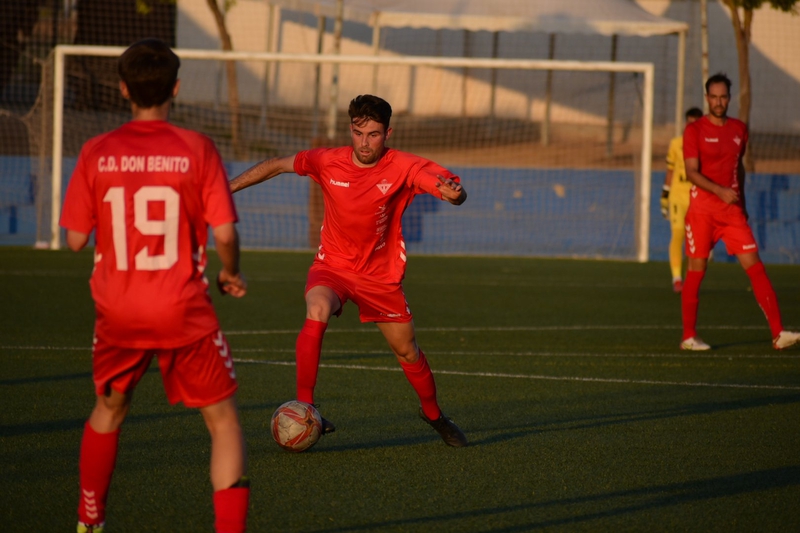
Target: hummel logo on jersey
340,183
737,140
384,186
711,140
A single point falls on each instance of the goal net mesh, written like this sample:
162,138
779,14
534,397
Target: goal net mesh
550,159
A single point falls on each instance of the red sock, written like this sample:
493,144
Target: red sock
690,301
230,510
421,378
765,296
97,460
308,348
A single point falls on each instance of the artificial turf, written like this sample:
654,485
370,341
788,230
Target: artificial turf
582,413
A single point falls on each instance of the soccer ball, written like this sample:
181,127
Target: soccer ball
296,426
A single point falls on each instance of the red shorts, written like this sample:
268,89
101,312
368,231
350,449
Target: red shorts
198,375
704,230
377,301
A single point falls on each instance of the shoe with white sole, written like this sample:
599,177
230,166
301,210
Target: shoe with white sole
785,339
694,344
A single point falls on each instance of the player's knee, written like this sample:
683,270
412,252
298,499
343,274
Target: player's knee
110,411
226,425
318,311
221,417
407,355
321,307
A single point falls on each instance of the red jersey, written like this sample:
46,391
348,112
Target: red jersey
362,226
719,149
150,190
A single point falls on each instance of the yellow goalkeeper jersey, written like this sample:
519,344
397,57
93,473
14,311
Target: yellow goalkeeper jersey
679,189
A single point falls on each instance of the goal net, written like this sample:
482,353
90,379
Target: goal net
555,155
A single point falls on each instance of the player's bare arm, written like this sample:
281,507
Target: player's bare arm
726,194
230,279
76,240
267,169
452,191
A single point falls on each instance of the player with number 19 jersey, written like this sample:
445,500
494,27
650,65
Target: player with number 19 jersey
151,208
362,226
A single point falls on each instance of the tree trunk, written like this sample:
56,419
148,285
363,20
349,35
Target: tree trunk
233,83
742,31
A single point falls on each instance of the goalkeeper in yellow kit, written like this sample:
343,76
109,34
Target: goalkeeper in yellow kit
675,200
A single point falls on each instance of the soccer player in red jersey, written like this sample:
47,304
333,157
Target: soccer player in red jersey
362,256
149,191
713,149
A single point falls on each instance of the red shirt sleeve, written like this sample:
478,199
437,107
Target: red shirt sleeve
307,163
78,213
425,178
217,198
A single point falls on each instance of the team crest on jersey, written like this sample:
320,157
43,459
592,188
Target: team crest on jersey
384,186
737,140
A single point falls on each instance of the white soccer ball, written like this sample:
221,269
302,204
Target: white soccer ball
296,426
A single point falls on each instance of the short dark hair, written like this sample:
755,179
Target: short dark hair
694,112
719,77
150,69
368,107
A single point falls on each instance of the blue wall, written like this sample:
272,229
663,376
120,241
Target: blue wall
534,212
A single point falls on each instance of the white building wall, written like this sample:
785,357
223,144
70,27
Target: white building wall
775,64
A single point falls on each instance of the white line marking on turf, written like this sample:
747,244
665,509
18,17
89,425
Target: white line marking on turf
621,327
538,377
684,354
495,374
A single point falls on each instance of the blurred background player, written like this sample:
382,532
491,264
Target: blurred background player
362,256
150,190
675,201
713,150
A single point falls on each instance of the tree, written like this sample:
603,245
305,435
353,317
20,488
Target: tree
230,70
742,25
144,7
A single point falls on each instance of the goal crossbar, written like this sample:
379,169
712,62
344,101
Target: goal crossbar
646,69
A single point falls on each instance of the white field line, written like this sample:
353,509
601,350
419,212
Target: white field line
496,374
496,328
793,354
538,377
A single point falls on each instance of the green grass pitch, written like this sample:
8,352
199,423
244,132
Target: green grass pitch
582,413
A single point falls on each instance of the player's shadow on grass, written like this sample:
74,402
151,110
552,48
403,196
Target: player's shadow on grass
586,509
719,345
507,433
45,379
76,424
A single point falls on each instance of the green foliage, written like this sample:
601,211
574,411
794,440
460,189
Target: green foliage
144,7
788,6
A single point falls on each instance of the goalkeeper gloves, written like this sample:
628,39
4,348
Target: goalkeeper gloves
665,201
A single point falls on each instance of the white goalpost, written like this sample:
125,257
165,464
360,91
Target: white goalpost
484,127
